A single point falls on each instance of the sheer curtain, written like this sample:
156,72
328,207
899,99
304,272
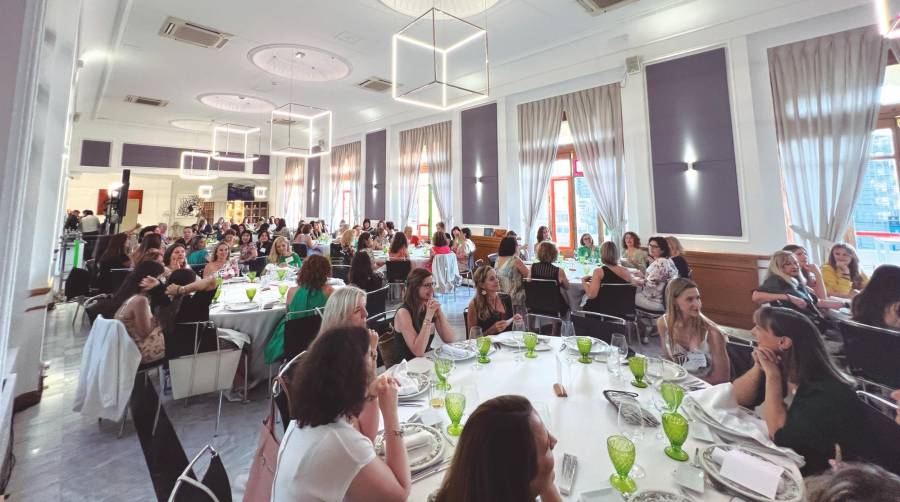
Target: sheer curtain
595,118
294,181
411,143
539,123
826,95
353,171
437,150
338,159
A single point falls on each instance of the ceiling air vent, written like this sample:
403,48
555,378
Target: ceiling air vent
597,7
194,34
375,84
141,100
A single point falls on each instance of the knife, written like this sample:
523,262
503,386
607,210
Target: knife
431,470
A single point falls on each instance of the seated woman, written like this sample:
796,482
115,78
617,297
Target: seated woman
439,245
366,244
379,237
841,274
263,244
853,482
198,251
632,254
587,251
113,257
311,292
544,268
399,250
462,246
511,270
220,263
505,452
303,236
675,247
879,304
175,258
689,338
132,305
345,307
543,234
322,456
489,309
347,245
810,271
608,273
281,254
231,239
790,358
413,239
248,248
418,316
661,270
362,274
151,240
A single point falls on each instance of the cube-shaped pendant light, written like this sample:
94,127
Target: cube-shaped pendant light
195,166
231,143
300,131
440,61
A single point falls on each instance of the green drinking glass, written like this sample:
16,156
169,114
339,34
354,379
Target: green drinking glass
484,346
455,402
281,273
251,276
251,292
584,348
530,340
638,367
282,290
621,453
219,282
442,368
676,429
217,294
672,394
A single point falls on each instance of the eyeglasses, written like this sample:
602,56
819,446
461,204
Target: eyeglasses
653,246
428,285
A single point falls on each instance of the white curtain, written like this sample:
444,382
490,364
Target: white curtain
411,143
345,164
826,95
294,198
539,123
595,118
437,151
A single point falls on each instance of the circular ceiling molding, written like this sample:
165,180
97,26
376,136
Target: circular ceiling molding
236,103
299,62
193,124
458,8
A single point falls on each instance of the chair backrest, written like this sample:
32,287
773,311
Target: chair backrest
300,329
198,268
280,390
493,259
878,422
203,372
445,271
542,296
341,272
112,279
872,353
78,283
93,269
97,305
383,324
398,270
214,487
466,319
300,249
258,264
613,299
740,355
376,301
599,326
189,338
335,250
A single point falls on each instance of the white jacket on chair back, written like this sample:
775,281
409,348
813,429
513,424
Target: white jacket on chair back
109,363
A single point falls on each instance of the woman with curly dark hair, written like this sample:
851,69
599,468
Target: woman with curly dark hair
311,292
633,255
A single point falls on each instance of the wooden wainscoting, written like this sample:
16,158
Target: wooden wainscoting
485,246
726,283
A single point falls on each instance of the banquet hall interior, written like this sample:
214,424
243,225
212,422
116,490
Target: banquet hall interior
450,250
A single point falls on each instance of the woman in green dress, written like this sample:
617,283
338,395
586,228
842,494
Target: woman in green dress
588,251
311,292
282,255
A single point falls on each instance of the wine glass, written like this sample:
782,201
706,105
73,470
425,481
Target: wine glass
672,394
484,346
251,276
519,331
638,366
217,294
455,402
622,453
613,362
530,340
475,332
584,348
251,292
567,330
442,369
676,428
630,420
282,290
655,371
280,272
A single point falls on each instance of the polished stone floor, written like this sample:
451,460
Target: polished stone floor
61,455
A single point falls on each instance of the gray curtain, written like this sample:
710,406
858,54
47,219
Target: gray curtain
595,118
538,123
826,95
437,151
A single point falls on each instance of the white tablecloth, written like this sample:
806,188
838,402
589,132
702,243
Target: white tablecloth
580,422
417,256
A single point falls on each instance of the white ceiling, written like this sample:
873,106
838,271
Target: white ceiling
124,54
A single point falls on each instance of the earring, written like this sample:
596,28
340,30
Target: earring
483,292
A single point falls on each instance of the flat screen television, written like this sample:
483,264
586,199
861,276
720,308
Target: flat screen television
240,192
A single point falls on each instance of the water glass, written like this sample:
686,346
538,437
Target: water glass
455,402
638,366
655,371
437,395
530,340
567,330
613,362
251,276
676,429
584,348
280,273
484,346
282,290
251,292
672,394
619,342
442,369
622,454
474,332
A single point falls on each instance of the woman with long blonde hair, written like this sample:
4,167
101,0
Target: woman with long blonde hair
282,254
346,306
490,309
690,338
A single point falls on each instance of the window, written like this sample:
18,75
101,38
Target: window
424,214
876,216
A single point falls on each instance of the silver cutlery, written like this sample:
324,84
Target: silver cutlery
431,470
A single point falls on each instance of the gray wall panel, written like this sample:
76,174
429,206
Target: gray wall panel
376,170
480,201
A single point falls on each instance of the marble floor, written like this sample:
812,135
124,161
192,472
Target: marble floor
61,455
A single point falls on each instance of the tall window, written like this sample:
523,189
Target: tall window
424,214
876,216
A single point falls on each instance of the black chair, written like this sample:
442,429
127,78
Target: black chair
97,305
77,289
396,271
94,271
615,300
872,353
542,296
337,258
112,279
878,422
382,324
341,272
300,249
280,393
198,268
213,487
258,264
740,354
300,329
598,326
376,301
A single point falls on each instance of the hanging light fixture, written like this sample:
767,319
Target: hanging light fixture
441,60
230,143
299,130
195,166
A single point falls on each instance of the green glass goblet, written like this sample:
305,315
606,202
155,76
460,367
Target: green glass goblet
455,402
672,394
638,366
621,453
251,292
484,346
217,294
676,429
251,276
584,348
282,290
281,273
442,368
530,340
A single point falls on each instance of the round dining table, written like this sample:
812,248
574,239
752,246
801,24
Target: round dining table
581,422
574,272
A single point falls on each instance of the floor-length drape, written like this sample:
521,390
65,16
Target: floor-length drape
294,198
538,123
353,175
595,118
437,151
826,95
412,141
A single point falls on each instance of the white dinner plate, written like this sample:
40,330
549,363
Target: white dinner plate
241,307
658,496
790,487
671,371
422,382
597,347
466,345
507,339
422,457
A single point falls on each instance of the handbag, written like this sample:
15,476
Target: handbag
262,471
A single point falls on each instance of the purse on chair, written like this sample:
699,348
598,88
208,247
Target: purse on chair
262,471
387,347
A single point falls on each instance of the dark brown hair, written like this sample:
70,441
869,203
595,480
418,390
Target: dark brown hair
314,272
539,238
439,239
331,380
170,250
882,291
853,482
508,246
663,245
634,237
398,242
413,282
496,458
115,248
132,283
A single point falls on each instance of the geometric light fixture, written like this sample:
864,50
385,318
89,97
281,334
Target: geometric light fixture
195,166
887,15
205,191
230,143
260,192
441,60
300,131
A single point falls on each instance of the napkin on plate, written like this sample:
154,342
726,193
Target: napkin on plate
455,352
417,439
749,471
408,385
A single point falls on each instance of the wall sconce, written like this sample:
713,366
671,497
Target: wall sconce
478,179
690,165
260,192
205,191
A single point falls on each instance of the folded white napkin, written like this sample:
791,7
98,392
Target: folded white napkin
749,471
236,337
417,439
454,352
408,385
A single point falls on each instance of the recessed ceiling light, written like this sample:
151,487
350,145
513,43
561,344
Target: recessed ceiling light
236,103
192,124
299,62
458,8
